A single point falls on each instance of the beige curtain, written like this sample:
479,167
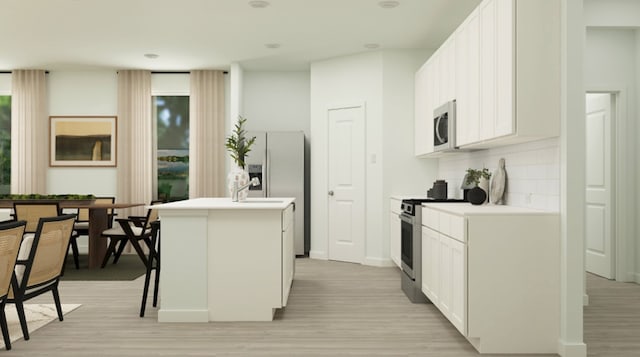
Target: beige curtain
29,130
206,141
135,140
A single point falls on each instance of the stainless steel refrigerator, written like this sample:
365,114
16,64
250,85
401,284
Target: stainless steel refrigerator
277,159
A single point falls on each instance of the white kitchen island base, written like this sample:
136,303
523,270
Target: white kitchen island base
225,261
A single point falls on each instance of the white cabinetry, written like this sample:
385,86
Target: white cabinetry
288,253
493,273
503,68
394,230
468,80
444,265
434,85
516,98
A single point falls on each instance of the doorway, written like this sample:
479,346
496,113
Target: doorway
600,233
346,183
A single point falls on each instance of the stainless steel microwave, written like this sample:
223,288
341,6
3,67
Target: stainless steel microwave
444,127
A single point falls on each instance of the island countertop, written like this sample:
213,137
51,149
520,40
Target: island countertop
226,203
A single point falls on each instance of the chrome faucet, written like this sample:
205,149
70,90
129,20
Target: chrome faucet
236,189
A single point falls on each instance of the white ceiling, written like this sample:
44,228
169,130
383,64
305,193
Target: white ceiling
211,34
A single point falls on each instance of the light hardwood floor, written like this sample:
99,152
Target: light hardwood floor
335,309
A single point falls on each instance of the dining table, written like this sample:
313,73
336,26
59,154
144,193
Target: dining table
98,223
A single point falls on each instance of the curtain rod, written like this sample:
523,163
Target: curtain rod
9,72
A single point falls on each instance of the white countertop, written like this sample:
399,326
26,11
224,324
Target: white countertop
463,209
225,203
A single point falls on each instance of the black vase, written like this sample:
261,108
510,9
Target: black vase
476,196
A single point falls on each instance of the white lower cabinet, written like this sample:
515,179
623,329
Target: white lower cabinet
288,253
444,267
493,273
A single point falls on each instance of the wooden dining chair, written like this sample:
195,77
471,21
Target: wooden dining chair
130,230
39,266
10,238
81,227
153,263
31,213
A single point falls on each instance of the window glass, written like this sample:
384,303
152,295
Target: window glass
172,116
5,144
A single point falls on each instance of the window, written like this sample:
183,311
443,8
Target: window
172,117
5,144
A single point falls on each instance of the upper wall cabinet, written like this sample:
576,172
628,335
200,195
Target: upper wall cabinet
502,65
517,54
435,84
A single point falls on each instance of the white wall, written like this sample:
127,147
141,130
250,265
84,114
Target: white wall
611,64
276,101
5,83
82,93
383,82
637,166
533,172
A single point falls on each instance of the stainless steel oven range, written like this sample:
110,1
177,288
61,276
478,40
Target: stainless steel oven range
411,246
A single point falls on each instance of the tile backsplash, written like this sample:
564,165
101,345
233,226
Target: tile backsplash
533,172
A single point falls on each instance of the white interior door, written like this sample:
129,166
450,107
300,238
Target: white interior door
600,243
346,184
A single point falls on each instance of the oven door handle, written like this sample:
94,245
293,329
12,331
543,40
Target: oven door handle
406,218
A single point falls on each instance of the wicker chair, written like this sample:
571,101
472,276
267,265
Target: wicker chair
10,239
40,263
32,212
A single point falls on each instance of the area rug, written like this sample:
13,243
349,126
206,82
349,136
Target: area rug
37,316
129,267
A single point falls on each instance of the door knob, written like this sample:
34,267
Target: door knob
330,193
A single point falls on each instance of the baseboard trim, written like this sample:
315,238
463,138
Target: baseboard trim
315,254
566,349
173,315
636,278
378,262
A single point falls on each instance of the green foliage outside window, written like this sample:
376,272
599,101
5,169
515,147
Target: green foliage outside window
172,115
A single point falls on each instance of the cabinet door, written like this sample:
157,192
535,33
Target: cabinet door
423,143
394,238
458,303
467,77
288,253
488,70
505,59
446,275
453,283
430,264
448,70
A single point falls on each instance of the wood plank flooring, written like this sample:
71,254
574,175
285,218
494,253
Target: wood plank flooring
335,309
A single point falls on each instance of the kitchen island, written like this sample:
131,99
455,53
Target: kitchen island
224,260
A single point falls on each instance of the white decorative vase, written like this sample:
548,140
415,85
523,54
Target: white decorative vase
242,177
484,185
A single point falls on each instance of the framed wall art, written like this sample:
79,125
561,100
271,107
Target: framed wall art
82,141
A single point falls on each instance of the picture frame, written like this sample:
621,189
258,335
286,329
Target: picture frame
79,141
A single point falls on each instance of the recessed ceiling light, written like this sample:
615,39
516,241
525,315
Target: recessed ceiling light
151,55
258,4
272,45
371,46
388,4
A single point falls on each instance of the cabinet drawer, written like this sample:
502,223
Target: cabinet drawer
430,218
452,226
